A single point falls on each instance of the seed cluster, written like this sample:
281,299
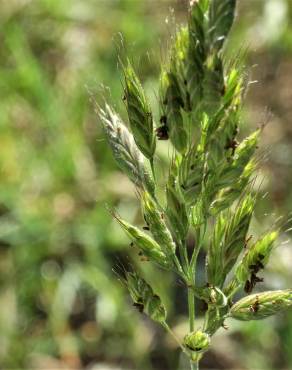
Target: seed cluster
208,189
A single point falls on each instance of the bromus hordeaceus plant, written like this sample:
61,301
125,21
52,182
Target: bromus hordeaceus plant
208,190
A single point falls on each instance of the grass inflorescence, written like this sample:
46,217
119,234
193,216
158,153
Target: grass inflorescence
208,190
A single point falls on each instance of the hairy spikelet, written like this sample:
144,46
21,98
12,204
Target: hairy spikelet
215,254
216,319
149,247
228,241
172,105
139,112
228,195
176,208
236,232
221,16
255,259
191,172
155,220
243,154
212,295
125,151
145,300
261,305
196,54
213,86
197,342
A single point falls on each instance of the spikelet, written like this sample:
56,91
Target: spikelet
176,208
197,342
228,241
156,222
149,247
196,55
243,154
255,259
261,305
214,260
228,195
213,86
171,107
212,295
236,232
221,16
191,172
125,151
139,112
144,298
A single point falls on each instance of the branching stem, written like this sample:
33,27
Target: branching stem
191,303
167,328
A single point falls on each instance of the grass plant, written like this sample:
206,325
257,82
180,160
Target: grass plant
208,192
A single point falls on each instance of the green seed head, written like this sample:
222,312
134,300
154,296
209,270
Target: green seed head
221,16
144,298
256,257
126,153
139,112
155,219
176,208
149,247
197,341
172,104
261,305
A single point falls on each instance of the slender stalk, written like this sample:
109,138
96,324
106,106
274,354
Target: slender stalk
183,256
191,303
152,168
167,328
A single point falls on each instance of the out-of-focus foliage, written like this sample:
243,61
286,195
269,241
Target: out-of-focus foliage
60,302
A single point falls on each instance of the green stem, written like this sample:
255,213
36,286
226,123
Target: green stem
178,265
152,167
183,256
191,302
195,365
167,328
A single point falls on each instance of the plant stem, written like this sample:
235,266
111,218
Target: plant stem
191,302
167,328
152,167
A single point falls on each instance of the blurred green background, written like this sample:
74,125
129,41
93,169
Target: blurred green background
61,305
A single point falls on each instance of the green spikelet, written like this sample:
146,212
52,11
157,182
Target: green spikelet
255,259
178,57
243,154
214,262
227,196
212,295
228,241
221,16
144,298
213,84
139,112
125,151
236,232
172,105
261,305
156,223
197,342
149,247
197,53
176,207
191,172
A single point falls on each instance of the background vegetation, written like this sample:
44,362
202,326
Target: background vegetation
61,305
